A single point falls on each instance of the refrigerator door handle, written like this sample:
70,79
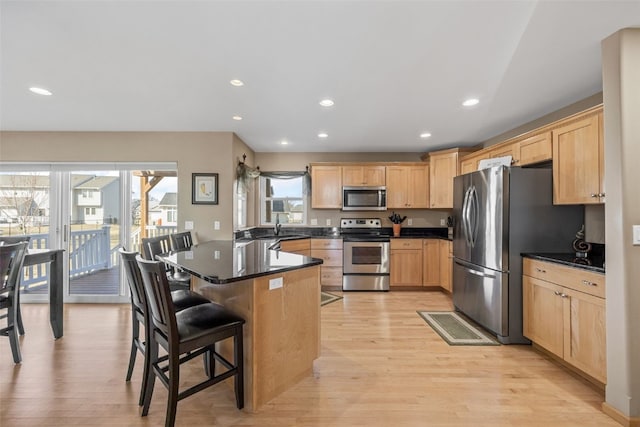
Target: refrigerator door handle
473,214
471,270
465,216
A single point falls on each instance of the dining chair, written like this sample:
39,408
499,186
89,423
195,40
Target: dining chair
11,260
9,240
184,335
181,240
153,246
181,299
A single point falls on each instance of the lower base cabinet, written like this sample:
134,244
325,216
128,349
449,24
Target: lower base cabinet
330,252
406,262
564,313
446,265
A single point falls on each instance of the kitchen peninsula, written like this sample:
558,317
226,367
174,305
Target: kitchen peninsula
277,293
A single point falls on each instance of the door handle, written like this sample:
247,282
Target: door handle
479,274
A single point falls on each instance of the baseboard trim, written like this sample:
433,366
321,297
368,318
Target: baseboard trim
619,417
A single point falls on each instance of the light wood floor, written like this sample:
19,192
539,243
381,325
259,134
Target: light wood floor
380,365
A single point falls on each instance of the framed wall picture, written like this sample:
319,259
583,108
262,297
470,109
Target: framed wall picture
204,188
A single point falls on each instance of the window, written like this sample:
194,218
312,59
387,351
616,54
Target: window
283,200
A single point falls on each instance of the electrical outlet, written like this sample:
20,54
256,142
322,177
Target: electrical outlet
216,225
410,221
275,283
328,221
443,222
188,225
314,221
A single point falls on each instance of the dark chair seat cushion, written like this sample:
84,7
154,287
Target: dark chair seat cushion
184,299
203,319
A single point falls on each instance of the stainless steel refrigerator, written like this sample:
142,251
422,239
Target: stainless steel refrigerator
499,213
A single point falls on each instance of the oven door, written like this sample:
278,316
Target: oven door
365,257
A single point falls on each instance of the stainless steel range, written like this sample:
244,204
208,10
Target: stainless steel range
365,264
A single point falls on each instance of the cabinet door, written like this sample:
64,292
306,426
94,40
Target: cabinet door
396,187
576,162
298,246
326,187
542,316
406,267
467,166
584,335
418,187
357,175
431,262
443,168
446,265
536,149
512,150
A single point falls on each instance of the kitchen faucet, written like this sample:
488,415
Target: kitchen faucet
276,229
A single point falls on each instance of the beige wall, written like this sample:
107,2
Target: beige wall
193,151
298,162
621,68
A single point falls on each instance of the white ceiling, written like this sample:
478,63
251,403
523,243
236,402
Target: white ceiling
395,69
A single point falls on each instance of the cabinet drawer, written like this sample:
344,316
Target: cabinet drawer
406,244
578,279
331,276
330,258
326,244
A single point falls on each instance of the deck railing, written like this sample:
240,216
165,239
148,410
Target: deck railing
89,251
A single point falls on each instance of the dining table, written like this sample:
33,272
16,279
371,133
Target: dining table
53,257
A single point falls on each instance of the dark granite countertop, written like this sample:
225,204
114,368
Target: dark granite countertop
289,233
592,263
226,261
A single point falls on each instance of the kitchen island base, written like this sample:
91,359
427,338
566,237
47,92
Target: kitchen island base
282,329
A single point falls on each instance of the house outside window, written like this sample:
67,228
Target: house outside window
283,200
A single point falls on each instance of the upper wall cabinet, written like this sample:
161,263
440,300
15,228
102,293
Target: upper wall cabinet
407,186
512,149
536,149
326,187
365,176
578,157
443,166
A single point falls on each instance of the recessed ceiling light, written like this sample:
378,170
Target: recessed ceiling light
236,82
323,135
237,118
470,102
425,135
326,103
283,142
40,91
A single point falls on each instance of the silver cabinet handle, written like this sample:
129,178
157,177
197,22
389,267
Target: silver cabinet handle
588,283
594,195
557,293
600,194
540,270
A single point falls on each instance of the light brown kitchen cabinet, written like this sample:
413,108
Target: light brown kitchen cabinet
511,149
446,265
564,313
363,176
296,246
444,165
406,262
578,158
431,262
407,186
443,168
536,149
330,252
326,187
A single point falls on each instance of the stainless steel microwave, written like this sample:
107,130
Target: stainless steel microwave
364,198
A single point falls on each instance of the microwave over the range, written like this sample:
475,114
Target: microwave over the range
364,198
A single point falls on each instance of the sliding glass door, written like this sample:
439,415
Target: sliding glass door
90,213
